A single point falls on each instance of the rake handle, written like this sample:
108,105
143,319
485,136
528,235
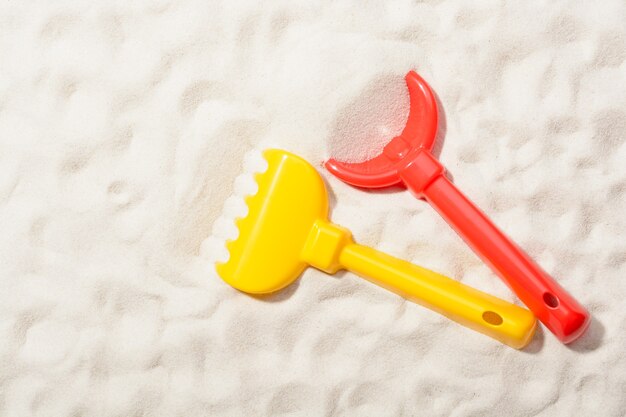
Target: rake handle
552,305
503,321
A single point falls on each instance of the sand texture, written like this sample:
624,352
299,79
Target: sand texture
123,125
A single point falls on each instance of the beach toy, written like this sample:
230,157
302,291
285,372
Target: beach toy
286,230
408,160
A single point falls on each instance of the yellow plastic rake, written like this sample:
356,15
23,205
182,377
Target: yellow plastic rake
287,230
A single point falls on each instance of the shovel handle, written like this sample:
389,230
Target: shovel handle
501,320
552,305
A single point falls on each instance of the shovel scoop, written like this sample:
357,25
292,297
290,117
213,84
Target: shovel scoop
408,160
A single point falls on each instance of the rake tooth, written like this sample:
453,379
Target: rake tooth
229,244
257,178
239,222
249,199
246,190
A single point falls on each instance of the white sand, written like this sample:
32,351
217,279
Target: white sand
124,124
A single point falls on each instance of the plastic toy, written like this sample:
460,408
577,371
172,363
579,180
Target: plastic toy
407,159
286,230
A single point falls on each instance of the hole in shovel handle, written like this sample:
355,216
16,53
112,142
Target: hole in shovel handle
550,300
492,318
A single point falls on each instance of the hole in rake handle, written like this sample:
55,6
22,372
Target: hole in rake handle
492,318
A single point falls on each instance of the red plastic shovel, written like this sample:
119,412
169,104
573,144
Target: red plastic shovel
407,159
